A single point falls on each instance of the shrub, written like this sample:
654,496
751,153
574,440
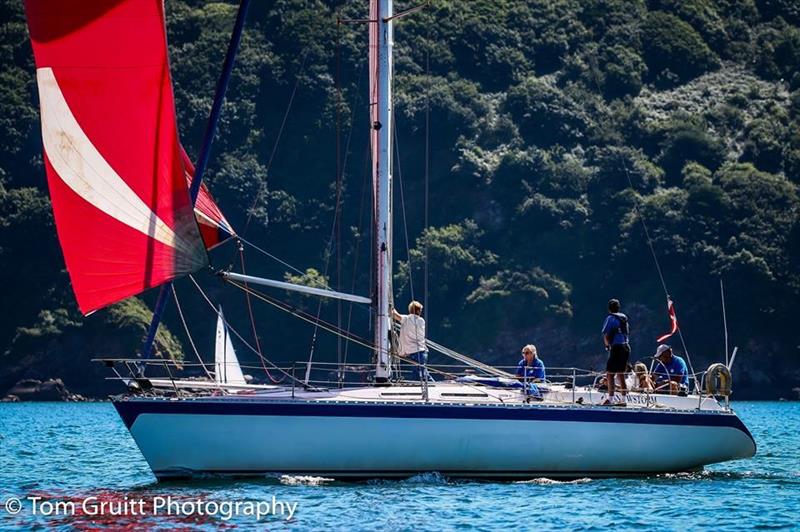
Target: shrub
689,142
778,51
672,48
456,251
545,114
523,294
622,69
492,54
787,9
702,15
791,155
705,197
764,145
552,29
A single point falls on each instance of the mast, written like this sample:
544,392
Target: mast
383,190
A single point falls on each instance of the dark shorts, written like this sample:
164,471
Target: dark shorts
618,358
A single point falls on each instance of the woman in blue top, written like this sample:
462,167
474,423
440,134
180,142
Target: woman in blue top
531,366
530,370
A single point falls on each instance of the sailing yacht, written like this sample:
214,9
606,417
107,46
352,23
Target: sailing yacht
129,223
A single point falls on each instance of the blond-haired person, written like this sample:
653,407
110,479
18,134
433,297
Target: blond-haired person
531,370
643,382
531,367
412,337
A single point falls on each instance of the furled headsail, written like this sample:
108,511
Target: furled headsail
214,227
111,150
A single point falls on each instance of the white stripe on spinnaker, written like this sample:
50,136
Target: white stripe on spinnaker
211,222
84,169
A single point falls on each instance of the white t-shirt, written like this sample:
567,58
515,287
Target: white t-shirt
412,334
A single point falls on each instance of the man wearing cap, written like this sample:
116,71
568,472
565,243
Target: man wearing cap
615,338
671,372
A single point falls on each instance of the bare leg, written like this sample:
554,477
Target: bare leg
610,383
623,386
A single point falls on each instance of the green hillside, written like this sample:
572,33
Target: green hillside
553,125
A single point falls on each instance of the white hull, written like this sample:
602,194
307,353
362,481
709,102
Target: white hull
254,436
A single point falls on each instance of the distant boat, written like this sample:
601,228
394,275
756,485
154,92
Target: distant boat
131,215
226,366
227,375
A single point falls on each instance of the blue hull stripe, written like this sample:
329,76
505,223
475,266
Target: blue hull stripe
129,410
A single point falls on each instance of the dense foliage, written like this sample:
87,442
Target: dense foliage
556,127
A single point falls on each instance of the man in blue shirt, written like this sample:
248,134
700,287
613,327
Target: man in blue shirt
531,366
615,338
671,372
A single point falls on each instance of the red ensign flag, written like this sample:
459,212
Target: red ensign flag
673,319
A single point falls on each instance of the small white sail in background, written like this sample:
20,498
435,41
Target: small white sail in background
226,365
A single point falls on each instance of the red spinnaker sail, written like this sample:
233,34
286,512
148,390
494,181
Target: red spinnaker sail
111,149
214,227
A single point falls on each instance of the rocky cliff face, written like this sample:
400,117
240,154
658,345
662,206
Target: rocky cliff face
62,346
36,390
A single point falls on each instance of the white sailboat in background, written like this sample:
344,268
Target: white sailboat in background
479,422
227,375
226,365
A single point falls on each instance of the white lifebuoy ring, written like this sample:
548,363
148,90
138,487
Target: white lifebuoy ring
718,380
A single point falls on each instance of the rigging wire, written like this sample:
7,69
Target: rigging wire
256,199
288,265
188,334
724,321
455,355
364,190
426,308
638,211
329,327
253,323
275,258
298,313
338,205
337,220
236,333
263,186
403,206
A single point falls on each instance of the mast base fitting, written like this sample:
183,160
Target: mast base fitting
382,381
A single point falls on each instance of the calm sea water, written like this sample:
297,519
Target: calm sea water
68,452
